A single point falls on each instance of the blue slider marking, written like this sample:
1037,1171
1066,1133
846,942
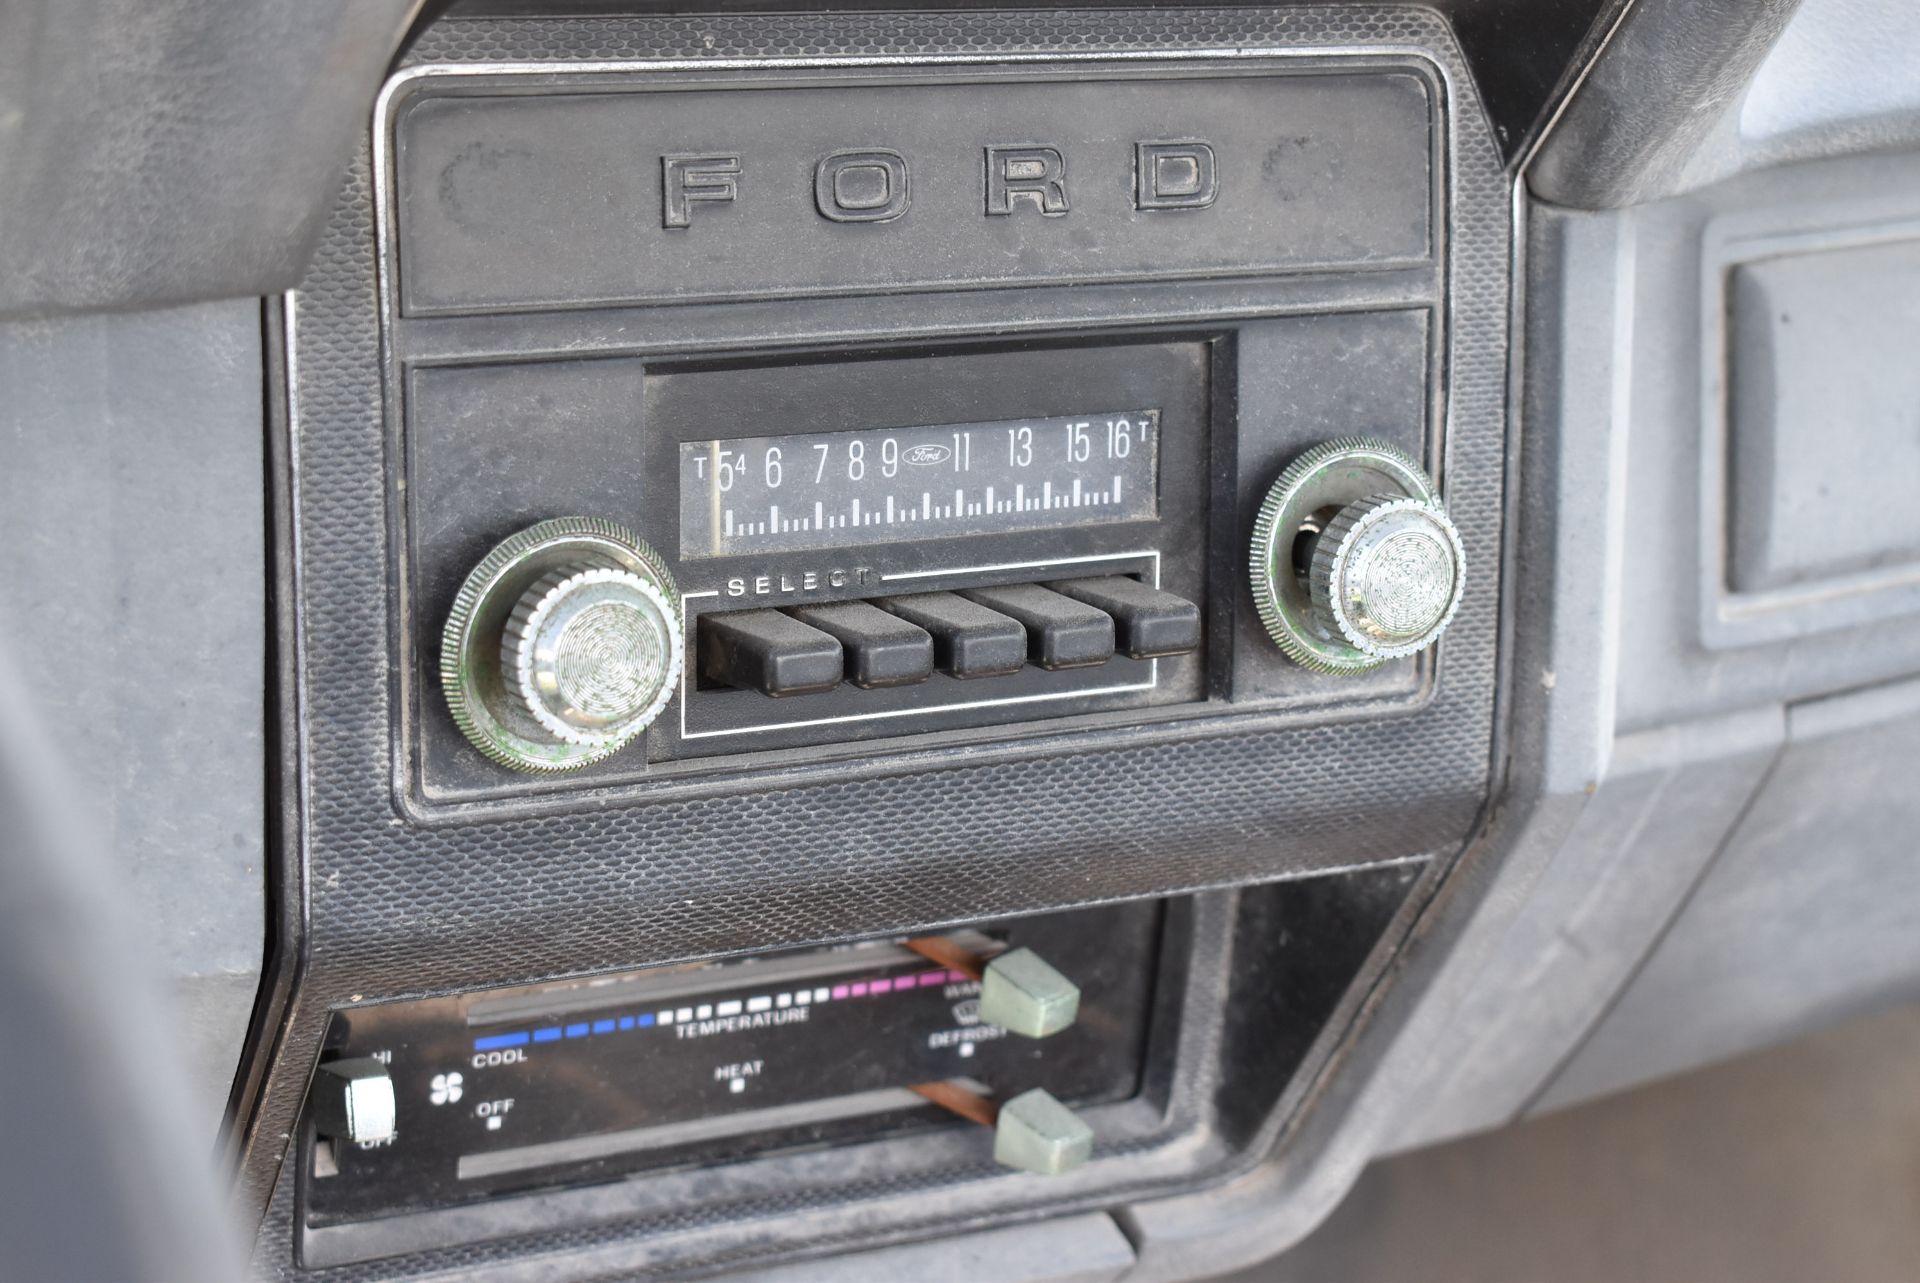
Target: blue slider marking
494,1042
646,1021
546,1035
577,1031
603,1026
626,1023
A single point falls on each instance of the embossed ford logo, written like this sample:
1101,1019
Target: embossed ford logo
926,454
875,184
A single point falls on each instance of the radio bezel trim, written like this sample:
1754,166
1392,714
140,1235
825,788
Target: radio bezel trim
1214,303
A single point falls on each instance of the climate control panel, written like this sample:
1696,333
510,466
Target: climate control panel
1017,1045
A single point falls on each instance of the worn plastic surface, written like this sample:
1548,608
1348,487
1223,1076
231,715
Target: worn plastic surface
1819,409
881,649
1671,790
169,152
968,639
1810,913
131,456
507,203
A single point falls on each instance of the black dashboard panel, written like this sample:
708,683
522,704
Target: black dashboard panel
426,873
502,193
604,188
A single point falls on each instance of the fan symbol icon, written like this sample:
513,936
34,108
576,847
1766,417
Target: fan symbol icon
447,1088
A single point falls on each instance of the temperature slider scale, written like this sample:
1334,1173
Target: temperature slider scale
720,1062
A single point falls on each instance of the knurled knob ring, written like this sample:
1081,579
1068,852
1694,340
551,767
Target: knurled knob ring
1320,482
479,661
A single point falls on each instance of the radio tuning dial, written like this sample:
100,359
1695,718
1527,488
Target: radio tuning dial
1385,575
1355,561
563,645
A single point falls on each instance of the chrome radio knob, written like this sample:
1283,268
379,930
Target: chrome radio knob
563,645
1386,575
1355,561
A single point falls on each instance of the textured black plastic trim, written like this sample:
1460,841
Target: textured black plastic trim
396,909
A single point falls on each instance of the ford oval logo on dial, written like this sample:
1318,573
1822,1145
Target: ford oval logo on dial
926,454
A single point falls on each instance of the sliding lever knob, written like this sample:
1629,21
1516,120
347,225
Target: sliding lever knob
1036,1133
1024,994
1020,991
1033,1132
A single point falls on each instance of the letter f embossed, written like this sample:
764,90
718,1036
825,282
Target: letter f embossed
685,179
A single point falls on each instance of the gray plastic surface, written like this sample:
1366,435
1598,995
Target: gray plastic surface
1073,1249
1686,94
1670,72
1825,464
1689,644
1674,737
132,505
1811,915
1629,855
1639,755
1839,64
163,151
113,1175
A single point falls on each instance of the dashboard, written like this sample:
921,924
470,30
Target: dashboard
805,497
867,634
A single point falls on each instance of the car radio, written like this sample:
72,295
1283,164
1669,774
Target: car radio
932,540
662,544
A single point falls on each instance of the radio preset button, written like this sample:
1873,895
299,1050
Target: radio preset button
770,652
881,649
1148,623
968,639
1061,632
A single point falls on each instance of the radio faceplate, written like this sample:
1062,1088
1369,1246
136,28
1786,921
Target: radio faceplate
695,427
492,447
